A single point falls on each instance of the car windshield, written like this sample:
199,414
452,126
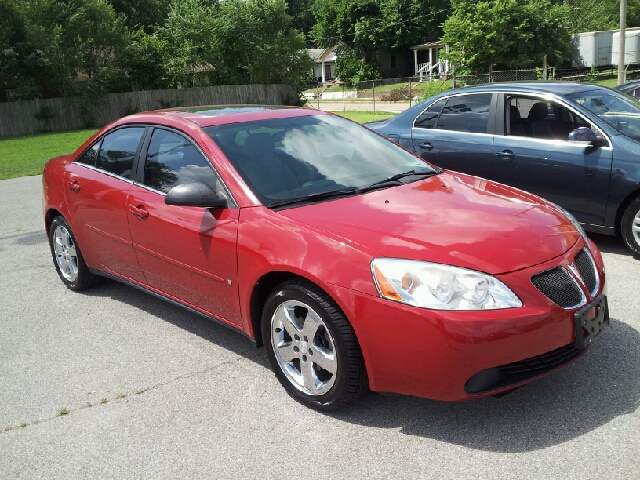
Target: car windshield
314,157
620,111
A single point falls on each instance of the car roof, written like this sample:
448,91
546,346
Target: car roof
209,115
558,88
628,85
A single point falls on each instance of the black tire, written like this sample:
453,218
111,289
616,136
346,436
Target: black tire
331,333
68,261
631,220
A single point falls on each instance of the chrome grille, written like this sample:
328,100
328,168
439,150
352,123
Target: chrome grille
587,270
560,287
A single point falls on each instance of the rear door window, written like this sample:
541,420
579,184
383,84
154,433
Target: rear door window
118,151
466,113
429,117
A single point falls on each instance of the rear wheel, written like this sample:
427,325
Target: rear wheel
311,346
67,256
630,227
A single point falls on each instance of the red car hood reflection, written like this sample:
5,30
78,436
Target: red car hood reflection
450,218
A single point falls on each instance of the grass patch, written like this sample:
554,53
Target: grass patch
63,411
365,116
22,156
611,83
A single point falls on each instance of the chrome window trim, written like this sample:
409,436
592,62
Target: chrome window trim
447,97
554,98
100,170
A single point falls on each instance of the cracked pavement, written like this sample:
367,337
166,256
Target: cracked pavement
153,391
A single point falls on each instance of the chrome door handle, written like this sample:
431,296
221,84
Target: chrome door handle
426,145
506,154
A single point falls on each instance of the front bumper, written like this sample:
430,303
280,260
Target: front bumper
455,356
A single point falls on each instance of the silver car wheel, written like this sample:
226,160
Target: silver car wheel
65,253
304,348
635,227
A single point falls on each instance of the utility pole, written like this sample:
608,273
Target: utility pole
623,28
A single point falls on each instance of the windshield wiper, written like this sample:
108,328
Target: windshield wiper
394,179
315,196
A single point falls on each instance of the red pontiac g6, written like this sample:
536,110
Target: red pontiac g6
355,263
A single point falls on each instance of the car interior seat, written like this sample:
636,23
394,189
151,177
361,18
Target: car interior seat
538,124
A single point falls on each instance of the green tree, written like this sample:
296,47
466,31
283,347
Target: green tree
259,44
593,15
145,14
78,42
301,13
189,44
506,34
364,27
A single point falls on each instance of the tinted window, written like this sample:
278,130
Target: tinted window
119,150
466,113
173,160
429,117
291,158
90,156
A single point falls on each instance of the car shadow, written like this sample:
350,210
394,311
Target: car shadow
596,389
610,244
207,329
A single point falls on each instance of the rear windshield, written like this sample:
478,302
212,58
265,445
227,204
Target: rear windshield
620,111
291,158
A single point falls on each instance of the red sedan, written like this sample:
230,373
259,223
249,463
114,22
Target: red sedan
351,260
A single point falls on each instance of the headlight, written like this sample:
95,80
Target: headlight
573,220
440,287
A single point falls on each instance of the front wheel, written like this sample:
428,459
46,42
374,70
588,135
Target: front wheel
630,227
67,257
311,346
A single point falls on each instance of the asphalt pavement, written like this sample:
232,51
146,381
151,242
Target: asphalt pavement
115,383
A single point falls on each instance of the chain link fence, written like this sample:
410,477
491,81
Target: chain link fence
378,94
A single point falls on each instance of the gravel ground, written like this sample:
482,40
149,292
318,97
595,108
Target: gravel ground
152,391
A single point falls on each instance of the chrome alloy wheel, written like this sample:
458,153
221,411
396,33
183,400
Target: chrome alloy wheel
635,227
65,253
304,348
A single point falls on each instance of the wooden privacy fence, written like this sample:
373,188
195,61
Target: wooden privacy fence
57,114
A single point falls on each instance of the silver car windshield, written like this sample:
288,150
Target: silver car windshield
620,111
312,157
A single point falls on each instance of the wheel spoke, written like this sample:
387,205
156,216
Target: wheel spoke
284,316
311,324
309,376
72,251
64,266
286,352
324,358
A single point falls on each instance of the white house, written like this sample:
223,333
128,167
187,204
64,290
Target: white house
426,61
325,62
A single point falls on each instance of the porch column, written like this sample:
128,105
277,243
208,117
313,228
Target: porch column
323,77
415,60
430,62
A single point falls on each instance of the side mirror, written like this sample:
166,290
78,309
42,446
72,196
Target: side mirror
585,136
196,194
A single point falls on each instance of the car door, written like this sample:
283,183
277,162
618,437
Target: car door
98,183
187,253
534,154
456,133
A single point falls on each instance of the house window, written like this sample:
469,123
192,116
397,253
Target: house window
393,61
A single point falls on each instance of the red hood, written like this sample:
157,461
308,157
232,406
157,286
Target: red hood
450,218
